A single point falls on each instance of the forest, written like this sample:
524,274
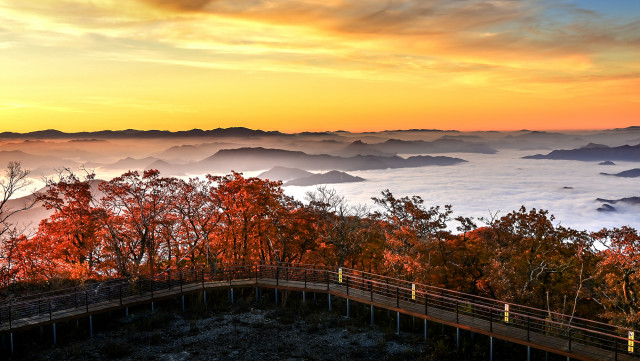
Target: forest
143,223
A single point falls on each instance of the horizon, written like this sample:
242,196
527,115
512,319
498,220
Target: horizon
178,130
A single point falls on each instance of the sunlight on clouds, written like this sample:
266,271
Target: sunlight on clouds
514,51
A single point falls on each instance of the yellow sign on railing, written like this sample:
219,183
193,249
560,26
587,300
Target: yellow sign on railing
631,341
340,275
506,313
413,291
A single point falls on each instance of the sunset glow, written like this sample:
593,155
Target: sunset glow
81,65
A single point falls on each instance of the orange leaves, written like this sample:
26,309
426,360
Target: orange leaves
619,270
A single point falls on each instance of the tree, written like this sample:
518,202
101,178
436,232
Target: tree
197,214
13,181
619,271
135,205
254,212
416,238
534,262
339,226
74,231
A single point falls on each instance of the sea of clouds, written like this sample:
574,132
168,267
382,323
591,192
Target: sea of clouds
502,183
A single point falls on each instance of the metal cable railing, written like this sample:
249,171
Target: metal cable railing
528,324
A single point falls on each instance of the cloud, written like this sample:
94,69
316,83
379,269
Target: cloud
181,5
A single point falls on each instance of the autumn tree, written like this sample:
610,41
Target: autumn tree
254,212
340,227
13,181
535,262
135,205
73,233
416,238
196,215
619,271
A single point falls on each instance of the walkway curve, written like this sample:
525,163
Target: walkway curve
577,338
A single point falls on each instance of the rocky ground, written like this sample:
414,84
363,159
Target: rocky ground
246,331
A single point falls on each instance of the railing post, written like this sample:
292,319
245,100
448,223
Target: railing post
398,297
305,279
75,297
180,281
203,278
528,328
371,289
347,279
86,300
169,278
457,313
326,276
10,319
50,311
491,319
616,348
426,303
256,273
570,329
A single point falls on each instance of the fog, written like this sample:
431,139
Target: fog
502,183
483,185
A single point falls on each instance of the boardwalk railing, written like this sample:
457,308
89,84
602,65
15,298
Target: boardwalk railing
576,337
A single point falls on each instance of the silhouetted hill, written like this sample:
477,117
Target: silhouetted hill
624,153
129,163
631,173
132,133
441,145
595,146
606,208
628,200
38,164
358,147
607,162
247,159
194,152
331,177
284,173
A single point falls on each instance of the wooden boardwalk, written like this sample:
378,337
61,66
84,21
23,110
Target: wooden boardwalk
581,339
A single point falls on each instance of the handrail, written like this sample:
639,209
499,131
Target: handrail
400,292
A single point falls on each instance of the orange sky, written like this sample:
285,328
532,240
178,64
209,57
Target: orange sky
80,65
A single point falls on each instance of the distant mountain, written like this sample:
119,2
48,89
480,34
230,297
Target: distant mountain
331,177
606,208
607,162
194,152
38,164
631,173
528,140
628,200
358,147
442,145
594,153
595,146
249,159
284,173
132,133
129,163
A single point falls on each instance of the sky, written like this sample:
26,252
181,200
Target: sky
313,65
